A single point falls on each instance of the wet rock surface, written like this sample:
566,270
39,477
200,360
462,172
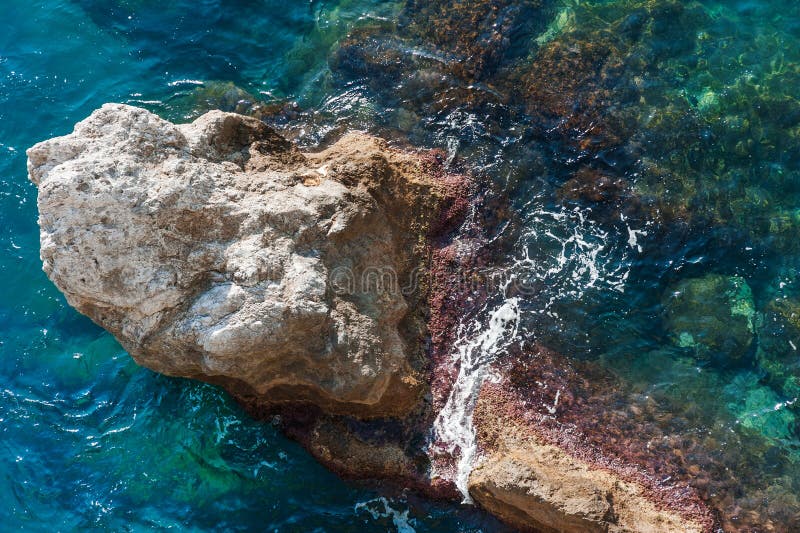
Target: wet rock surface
539,487
568,448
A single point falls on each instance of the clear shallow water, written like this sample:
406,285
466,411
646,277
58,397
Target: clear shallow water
692,105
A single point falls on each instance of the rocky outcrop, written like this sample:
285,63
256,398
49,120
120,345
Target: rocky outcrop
320,286
550,461
217,251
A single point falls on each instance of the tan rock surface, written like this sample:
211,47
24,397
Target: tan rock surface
536,486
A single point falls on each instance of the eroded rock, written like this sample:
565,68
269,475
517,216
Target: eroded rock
217,251
558,454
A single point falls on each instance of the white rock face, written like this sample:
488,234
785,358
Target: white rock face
208,248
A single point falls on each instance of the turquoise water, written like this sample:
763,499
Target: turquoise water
650,154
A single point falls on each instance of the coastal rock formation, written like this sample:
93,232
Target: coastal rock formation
558,455
217,251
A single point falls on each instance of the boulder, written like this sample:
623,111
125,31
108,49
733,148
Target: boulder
217,251
556,455
760,409
538,487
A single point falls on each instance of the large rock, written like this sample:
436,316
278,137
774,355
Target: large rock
216,250
542,469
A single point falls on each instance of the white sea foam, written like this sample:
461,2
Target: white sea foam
453,426
177,83
380,508
565,254
569,254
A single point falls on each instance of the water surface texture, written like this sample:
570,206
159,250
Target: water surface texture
648,154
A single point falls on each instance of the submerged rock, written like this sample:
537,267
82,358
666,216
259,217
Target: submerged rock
778,330
217,251
224,96
759,408
713,316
